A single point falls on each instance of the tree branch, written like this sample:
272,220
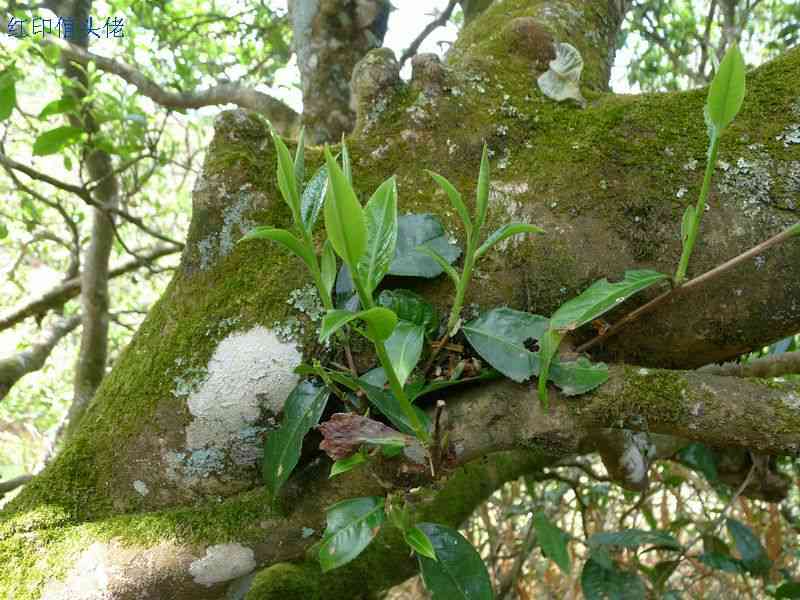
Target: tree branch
282,116
769,366
437,22
15,367
57,296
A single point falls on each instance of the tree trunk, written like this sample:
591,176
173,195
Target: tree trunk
158,494
330,37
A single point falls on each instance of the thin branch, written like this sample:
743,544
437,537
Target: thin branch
689,285
283,116
59,295
86,196
776,365
11,484
15,367
437,22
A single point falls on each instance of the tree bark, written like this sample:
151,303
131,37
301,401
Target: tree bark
161,487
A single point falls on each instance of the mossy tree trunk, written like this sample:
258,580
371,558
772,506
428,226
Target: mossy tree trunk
158,494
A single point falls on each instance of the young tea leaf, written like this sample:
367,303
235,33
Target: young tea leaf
727,90
313,198
287,181
8,94
441,261
328,266
482,193
284,238
500,335
548,347
459,572
419,542
380,322
506,231
352,525
300,157
389,407
686,222
404,348
301,412
552,541
344,217
381,217
455,199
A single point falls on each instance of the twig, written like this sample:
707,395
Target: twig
437,22
689,285
12,484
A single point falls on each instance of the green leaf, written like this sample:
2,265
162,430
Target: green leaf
300,157
455,199
3,231
344,217
286,178
284,238
347,464
313,198
727,90
553,541
599,583
754,557
794,229
788,589
55,140
412,232
661,572
8,95
688,217
380,322
352,525
482,193
417,389
700,458
328,266
633,538
52,54
60,106
499,336
404,348
459,572
301,412
389,407
441,261
578,376
381,217
601,297
419,542
410,306
506,231
347,170
721,562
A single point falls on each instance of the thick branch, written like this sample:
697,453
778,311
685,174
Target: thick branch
13,368
70,288
283,118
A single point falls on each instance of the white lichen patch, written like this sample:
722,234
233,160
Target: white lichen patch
141,487
792,400
222,562
234,225
248,379
87,580
636,456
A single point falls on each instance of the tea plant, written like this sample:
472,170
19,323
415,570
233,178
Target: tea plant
371,241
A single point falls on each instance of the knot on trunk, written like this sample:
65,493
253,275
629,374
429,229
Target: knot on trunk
375,79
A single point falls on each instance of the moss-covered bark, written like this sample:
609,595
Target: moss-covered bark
608,183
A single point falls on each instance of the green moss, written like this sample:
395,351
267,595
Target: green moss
650,392
286,581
